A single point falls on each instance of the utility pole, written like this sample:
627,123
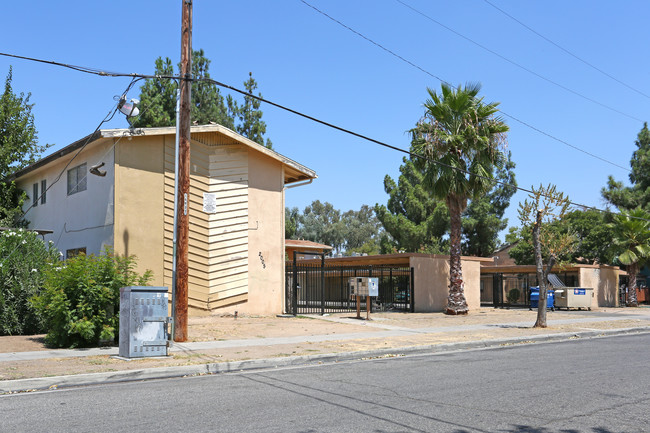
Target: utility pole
183,180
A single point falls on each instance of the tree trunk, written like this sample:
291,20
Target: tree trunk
631,300
456,302
541,275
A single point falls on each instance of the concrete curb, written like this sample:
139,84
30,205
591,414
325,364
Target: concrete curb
44,383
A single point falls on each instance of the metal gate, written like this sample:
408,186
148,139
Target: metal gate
314,287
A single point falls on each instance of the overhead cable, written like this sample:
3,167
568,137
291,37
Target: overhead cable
322,122
451,85
512,62
566,51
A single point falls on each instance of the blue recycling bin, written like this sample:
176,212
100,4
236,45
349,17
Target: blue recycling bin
534,298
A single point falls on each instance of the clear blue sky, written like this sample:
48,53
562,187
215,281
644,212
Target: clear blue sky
304,60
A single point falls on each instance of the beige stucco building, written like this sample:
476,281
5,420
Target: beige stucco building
236,208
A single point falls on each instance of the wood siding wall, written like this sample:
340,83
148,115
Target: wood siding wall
218,253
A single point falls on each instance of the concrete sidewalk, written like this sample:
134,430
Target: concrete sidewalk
266,342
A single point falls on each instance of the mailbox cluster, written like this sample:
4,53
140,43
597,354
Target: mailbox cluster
364,286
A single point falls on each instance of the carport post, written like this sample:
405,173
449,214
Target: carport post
412,306
322,284
294,291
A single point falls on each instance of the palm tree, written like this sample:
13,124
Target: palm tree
631,233
462,141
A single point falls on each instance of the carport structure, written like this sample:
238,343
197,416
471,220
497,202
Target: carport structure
412,282
497,281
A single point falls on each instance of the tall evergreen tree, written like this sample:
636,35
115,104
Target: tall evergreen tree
483,219
249,115
158,98
415,221
207,101
208,105
18,148
637,195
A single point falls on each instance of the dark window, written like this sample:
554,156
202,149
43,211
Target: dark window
77,179
43,189
73,252
35,195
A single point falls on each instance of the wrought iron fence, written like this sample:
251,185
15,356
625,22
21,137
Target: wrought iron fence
314,287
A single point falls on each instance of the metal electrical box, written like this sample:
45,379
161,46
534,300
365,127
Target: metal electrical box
143,321
364,286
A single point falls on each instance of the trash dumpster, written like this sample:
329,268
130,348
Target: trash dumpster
575,297
534,298
143,321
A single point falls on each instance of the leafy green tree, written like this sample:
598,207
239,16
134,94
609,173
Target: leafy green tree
25,260
249,115
483,219
637,195
415,221
461,137
631,235
546,205
321,222
291,221
351,231
18,148
362,231
589,228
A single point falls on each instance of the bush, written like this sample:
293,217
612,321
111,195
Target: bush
24,260
81,301
513,296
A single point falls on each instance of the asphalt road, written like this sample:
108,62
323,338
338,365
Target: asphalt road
598,385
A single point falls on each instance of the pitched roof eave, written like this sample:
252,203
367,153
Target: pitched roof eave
294,171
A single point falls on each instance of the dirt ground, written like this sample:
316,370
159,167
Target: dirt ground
432,329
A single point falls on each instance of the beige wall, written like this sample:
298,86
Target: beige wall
236,254
266,236
604,281
431,282
139,187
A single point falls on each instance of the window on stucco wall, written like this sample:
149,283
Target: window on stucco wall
77,179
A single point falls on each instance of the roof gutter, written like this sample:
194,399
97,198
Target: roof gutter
299,184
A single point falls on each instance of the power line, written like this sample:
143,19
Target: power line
451,85
566,50
322,122
512,62
89,70
389,146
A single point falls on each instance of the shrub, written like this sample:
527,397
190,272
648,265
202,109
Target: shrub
81,301
513,296
24,260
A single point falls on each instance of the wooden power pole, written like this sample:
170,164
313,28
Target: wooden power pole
183,209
